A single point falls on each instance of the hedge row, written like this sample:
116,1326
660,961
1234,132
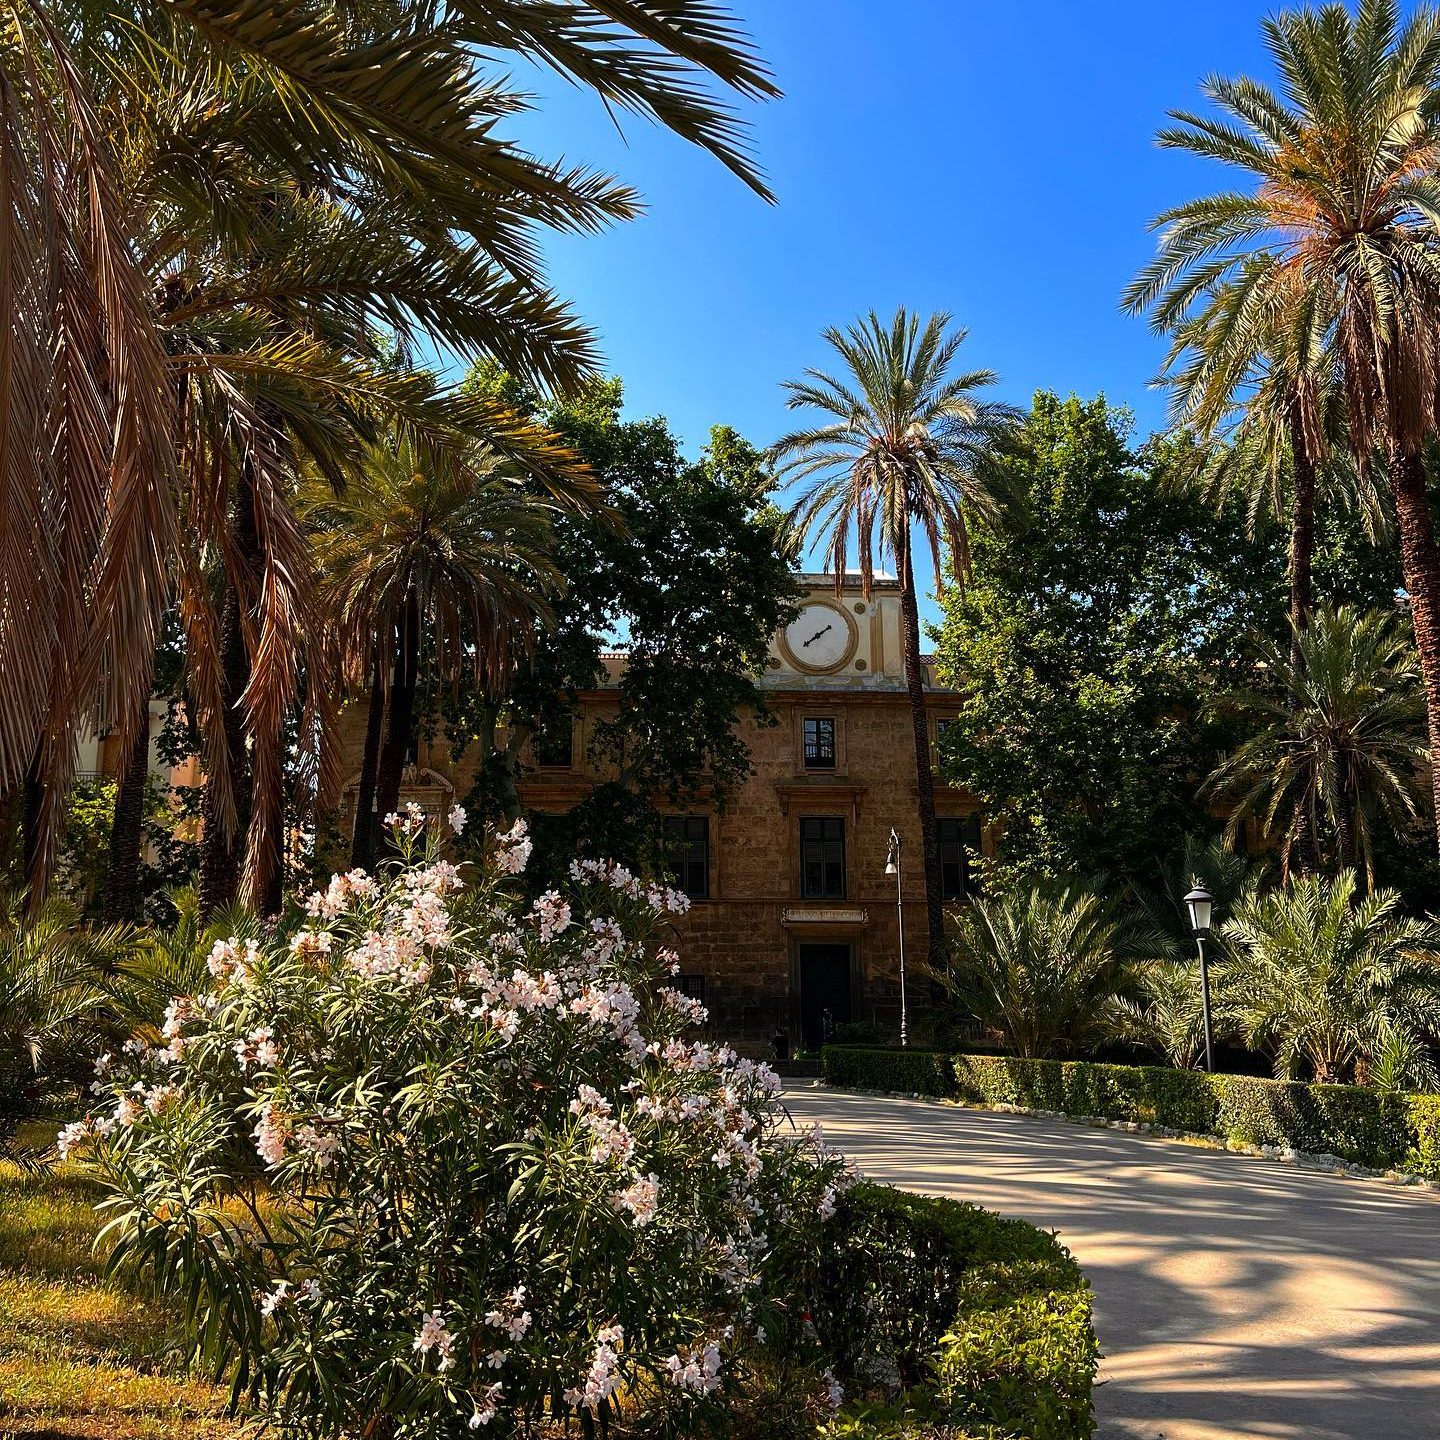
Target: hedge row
1366,1127
916,1072
982,1322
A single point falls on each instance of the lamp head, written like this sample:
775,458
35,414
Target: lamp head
1200,904
892,856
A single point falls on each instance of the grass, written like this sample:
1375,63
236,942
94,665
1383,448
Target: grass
82,1358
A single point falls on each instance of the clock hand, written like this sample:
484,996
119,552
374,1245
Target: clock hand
816,636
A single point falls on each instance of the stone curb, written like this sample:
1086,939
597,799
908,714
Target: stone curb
1300,1159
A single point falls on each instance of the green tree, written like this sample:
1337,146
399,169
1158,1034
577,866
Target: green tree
448,565
1043,965
1336,739
1325,979
904,445
687,574
1336,228
1096,616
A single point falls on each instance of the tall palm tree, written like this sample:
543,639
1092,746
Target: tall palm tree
906,447
1325,979
445,566
1340,221
1337,742
1043,966
170,172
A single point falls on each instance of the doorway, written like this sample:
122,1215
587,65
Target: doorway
824,992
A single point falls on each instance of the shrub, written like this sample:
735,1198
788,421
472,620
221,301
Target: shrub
915,1072
433,1160
1368,1127
1423,1157
1009,1305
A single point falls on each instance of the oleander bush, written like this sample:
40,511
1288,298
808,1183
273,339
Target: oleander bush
980,1322
430,1160
1375,1128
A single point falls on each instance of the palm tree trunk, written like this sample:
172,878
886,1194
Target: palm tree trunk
122,876
222,850
1302,537
1420,567
32,800
1345,824
391,768
924,774
1302,600
362,839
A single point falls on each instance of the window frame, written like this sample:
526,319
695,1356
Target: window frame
821,723
540,738
831,858
681,866
968,829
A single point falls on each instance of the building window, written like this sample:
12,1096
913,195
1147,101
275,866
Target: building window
820,743
691,986
553,746
822,858
687,847
957,840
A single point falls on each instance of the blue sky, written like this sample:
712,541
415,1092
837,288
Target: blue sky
993,160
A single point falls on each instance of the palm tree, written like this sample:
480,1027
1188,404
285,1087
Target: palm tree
1043,966
1338,738
906,448
1275,419
424,565
209,212
1340,223
1325,980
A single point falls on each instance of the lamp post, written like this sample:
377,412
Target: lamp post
892,867
1200,903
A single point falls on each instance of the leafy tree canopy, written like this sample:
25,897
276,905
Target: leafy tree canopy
1099,608
689,577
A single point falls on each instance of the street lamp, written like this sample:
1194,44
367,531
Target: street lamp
892,867
1200,903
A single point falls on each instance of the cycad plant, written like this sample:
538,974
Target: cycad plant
444,566
1333,231
1332,983
902,446
1166,1011
1043,967
1337,743
54,997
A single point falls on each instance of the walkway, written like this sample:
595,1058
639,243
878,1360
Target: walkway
1234,1296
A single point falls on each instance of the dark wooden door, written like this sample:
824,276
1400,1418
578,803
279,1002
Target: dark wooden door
824,992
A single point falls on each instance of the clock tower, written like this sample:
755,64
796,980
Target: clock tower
840,641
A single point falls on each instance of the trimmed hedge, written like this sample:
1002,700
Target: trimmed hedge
916,1072
1366,1127
980,1321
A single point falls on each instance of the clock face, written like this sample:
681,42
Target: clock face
819,638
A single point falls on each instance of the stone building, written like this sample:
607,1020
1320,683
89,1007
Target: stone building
794,923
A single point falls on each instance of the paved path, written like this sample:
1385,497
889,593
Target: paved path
1234,1296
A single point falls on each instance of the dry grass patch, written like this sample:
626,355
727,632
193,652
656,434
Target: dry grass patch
81,1358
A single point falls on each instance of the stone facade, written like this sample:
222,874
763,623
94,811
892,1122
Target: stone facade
794,924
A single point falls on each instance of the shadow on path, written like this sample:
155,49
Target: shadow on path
1234,1296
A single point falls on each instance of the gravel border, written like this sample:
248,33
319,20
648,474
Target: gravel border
1300,1159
